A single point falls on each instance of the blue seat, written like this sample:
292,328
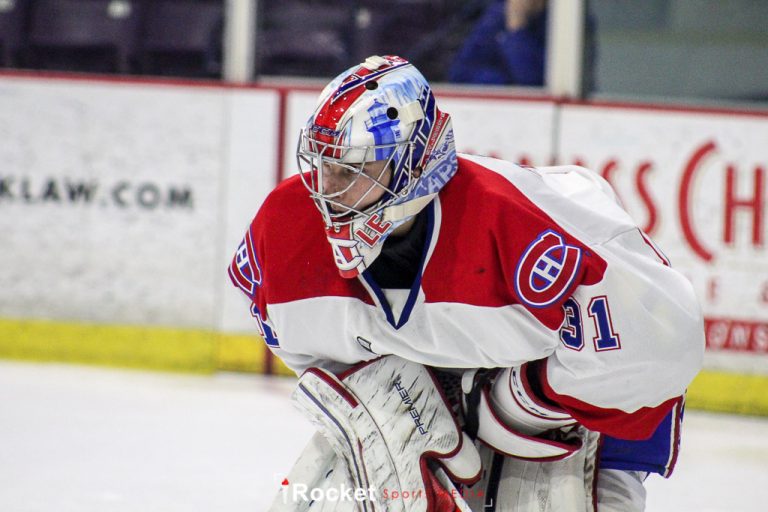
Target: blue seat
304,37
409,28
183,38
83,35
13,28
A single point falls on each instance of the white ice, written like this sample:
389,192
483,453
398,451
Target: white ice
84,439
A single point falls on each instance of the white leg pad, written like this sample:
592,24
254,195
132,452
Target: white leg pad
318,467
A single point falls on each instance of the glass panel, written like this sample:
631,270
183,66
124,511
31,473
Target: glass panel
460,41
681,49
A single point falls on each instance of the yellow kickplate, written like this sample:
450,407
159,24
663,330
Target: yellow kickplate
729,392
157,348
240,353
190,350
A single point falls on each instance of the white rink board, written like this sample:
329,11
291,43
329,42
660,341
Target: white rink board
146,246
123,202
299,106
249,176
514,130
687,156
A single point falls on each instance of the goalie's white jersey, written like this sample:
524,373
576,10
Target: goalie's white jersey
520,264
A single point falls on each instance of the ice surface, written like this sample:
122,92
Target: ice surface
90,439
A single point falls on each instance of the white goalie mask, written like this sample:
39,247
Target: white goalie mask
374,153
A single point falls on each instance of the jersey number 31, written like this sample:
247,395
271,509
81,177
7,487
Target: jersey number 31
572,331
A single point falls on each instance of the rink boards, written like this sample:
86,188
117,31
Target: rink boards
122,201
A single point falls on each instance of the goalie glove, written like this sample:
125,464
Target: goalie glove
400,443
505,414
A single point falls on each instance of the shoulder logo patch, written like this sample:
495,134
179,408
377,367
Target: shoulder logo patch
247,276
546,270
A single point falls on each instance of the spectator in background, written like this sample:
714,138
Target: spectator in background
506,46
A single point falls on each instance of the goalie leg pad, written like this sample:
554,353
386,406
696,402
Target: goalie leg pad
386,419
318,472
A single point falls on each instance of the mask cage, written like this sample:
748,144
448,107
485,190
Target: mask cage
313,155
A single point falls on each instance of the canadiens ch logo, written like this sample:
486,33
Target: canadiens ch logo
547,269
246,275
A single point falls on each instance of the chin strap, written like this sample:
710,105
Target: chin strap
355,246
402,211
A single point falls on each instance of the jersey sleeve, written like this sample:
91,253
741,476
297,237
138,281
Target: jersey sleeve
629,328
629,345
249,272
245,272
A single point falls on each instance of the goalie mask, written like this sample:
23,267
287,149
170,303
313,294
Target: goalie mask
373,154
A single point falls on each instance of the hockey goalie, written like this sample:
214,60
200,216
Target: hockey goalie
469,334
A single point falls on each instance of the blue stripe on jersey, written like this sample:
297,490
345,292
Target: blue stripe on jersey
381,298
657,454
415,287
411,302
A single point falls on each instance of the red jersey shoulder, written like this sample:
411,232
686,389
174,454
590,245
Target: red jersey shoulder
292,252
539,262
245,269
287,204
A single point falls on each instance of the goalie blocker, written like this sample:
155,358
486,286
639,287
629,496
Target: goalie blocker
508,416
